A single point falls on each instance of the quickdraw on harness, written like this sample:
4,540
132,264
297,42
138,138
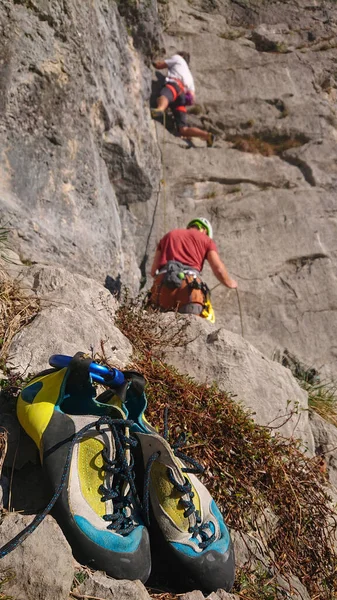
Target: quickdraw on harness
207,309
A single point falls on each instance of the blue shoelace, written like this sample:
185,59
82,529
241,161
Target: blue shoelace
120,521
123,474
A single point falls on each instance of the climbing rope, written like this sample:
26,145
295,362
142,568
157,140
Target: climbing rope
239,303
164,174
163,179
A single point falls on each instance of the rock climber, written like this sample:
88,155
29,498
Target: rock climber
177,268
179,88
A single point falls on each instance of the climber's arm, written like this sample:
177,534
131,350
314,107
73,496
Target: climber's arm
220,270
156,263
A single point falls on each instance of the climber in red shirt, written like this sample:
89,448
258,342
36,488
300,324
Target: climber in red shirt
177,267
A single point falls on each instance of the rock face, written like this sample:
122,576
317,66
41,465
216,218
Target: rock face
99,585
264,387
77,315
42,568
80,167
78,143
266,85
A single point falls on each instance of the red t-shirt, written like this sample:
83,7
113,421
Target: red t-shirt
188,246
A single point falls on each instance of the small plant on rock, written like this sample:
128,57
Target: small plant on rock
16,311
322,395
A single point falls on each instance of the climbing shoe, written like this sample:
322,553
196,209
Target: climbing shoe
156,113
210,140
85,450
187,531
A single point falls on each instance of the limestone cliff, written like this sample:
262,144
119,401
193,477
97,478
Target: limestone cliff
77,147
266,86
80,179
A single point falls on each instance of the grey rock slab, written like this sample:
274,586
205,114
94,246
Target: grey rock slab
222,595
228,166
77,314
249,550
60,330
264,387
279,245
41,568
319,159
276,231
99,585
81,167
293,587
58,286
77,131
195,595
277,37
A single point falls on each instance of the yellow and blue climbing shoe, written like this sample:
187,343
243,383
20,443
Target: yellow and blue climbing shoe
187,531
85,450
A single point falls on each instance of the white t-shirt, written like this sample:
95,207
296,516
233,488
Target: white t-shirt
178,69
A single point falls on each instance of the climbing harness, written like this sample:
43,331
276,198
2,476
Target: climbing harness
180,287
189,98
181,86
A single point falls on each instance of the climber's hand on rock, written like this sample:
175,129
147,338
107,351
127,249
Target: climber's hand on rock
232,284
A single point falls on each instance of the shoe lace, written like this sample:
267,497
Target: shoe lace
116,426
123,490
199,529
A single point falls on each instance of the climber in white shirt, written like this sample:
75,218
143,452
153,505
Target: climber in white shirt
179,86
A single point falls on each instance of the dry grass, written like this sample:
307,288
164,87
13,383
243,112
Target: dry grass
16,311
3,447
322,403
6,576
248,472
267,146
322,395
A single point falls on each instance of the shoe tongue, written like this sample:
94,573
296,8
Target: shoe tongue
110,410
115,412
109,403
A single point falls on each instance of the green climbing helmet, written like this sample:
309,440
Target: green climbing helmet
202,223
